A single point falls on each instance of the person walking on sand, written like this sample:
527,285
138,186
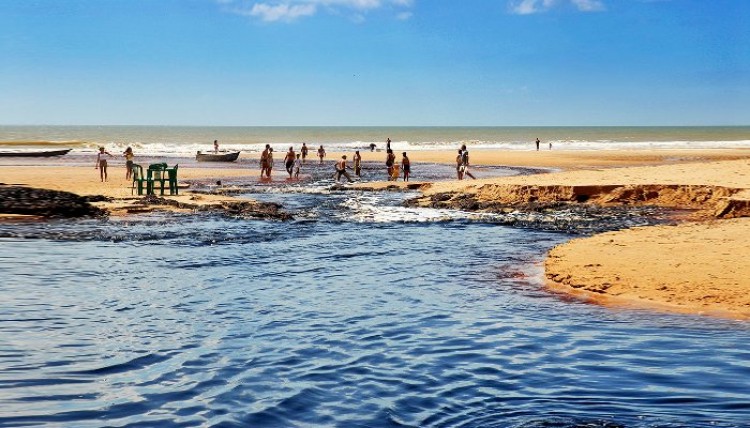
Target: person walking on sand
321,153
389,161
289,161
405,166
465,162
537,144
459,165
297,166
264,160
101,163
341,169
357,164
303,150
128,155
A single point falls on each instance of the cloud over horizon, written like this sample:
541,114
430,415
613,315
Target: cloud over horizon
291,10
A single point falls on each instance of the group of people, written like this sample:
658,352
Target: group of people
101,163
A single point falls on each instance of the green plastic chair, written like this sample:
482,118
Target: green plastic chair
157,173
139,179
172,178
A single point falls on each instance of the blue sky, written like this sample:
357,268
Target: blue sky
375,62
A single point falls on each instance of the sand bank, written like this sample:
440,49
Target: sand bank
697,267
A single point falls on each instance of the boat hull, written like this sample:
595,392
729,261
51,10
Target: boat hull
217,157
42,154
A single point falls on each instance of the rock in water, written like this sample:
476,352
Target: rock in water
45,203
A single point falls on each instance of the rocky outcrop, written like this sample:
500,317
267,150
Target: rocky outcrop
718,201
249,209
46,203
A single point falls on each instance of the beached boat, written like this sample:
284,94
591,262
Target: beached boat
35,154
217,157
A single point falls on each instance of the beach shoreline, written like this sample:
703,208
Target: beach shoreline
704,273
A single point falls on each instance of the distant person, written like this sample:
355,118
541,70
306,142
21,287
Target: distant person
459,165
216,146
321,153
465,162
372,147
405,166
297,166
303,150
387,144
264,160
289,161
390,160
537,144
101,163
341,169
357,164
128,155
550,145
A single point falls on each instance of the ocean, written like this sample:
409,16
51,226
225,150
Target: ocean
186,140
359,312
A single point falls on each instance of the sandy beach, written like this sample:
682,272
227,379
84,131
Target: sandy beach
696,267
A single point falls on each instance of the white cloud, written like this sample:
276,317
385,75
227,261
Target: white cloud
290,10
280,12
529,7
588,5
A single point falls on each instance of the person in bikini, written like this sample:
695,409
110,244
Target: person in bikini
101,163
128,155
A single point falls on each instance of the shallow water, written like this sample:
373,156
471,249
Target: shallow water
359,313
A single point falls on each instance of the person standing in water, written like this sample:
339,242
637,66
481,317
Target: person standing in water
289,161
405,166
303,150
101,163
264,160
270,163
297,166
459,165
388,144
357,164
389,161
341,169
128,155
465,162
537,144
216,146
321,153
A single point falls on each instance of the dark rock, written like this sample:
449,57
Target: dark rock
46,203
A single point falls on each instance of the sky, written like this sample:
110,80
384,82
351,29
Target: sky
375,62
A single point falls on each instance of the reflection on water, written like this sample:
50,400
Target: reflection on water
337,319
